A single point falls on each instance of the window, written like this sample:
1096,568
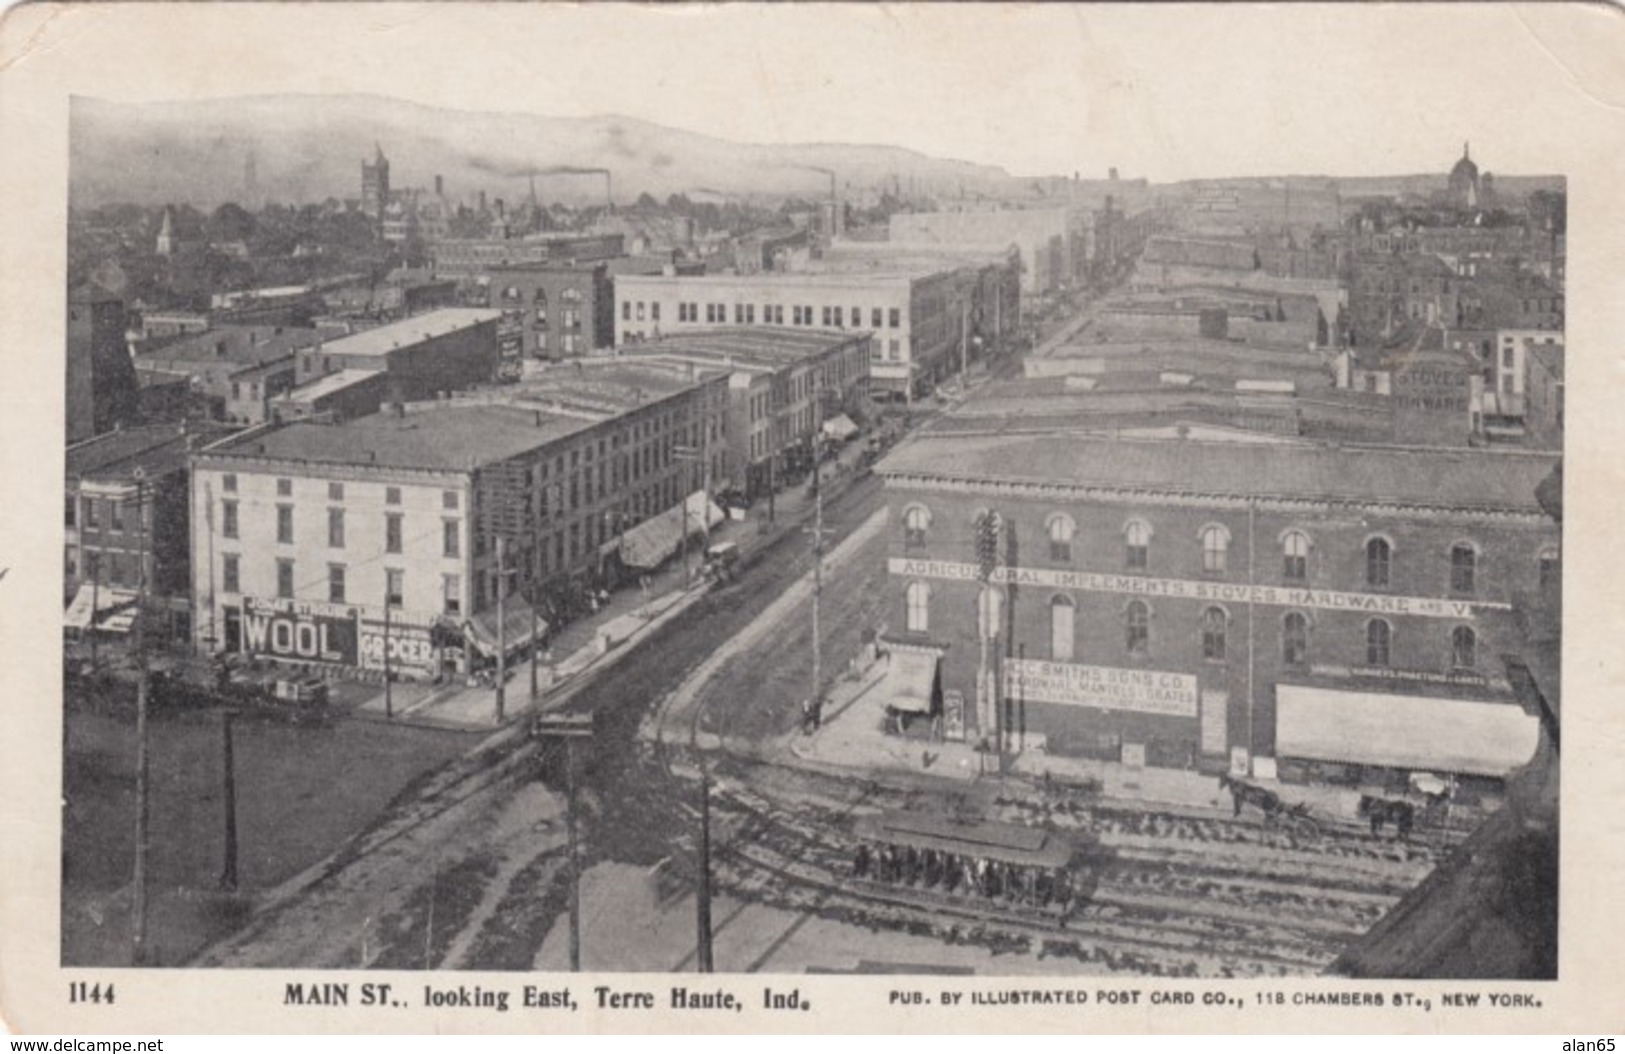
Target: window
654,311
857,317
284,488
1295,556
228,519
1215,548
284,578
640,311
1214,624
1551,570
1137,622
228,482
826,322
70,508
90,513
1061,529
231,573
1463,648
1378,555
394,586
392,495
990,612
916,523
115,515
918,608
448,499
392,532
452,591
451,538
894,318
1295,639
335,583
1137,536
284,524
1463,567
1061,619
335,528
874,318
1378,640
626,310
335,492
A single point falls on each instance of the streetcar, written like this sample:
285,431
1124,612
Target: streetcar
1052,871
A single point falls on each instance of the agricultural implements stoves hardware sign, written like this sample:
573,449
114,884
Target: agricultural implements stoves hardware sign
1185,589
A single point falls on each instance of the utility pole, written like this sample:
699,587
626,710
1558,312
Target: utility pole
702,897
818,557
96,591
143,688
569,727
228,873
502,631
535,590
389,696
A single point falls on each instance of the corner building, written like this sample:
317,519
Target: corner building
1259,606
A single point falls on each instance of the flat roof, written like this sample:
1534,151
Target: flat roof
155,449
613,384
449,436
1432,477
776,279
767,345
325,386
244,345
409,331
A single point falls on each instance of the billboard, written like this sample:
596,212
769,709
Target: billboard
299,630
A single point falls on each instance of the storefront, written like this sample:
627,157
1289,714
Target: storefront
911,691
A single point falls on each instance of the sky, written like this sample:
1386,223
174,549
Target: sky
1161,91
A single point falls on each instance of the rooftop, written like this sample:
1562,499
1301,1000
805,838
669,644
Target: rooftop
778,279
758,345
154,449
450,436
409,331
244,345
613,385
325,386
1437,478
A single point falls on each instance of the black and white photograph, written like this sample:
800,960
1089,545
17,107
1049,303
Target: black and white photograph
1070,496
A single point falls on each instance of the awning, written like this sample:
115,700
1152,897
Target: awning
110,608
649,543
516,621
840,427
1403,731
911,681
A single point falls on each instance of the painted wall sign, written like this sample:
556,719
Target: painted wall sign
302,631
1184,589
1104,687
410,648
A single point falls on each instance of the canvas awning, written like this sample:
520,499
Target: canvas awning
114,608
1403,731
911,681
649,543
516,622
840,427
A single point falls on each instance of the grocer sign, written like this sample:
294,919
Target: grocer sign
410,648
302,631
1103,687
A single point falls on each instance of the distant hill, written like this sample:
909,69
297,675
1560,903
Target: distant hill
308,148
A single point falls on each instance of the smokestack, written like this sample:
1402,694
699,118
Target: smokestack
439,186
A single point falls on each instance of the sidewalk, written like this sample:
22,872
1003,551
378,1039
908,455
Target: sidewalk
853,737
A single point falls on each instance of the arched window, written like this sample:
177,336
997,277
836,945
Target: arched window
1295,556
916,524
1137,538
1214,623
918,615
1061,612
990,611
1215,548
1463,567
1378,640
1061,529
540,303
1463,648
1378,555
1295,639
1137,621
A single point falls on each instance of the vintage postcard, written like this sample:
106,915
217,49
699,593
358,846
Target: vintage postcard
919,518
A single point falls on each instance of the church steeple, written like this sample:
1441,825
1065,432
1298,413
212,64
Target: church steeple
1466,150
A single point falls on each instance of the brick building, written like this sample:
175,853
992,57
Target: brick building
236,370
1222,604
101,386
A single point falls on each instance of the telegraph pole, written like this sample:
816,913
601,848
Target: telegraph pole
569,727
389,696
228,873
143,688
502,631
535,615
702,898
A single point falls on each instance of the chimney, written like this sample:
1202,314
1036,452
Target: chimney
439,186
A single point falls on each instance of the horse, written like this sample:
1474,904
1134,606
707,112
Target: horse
1402,814
1242,792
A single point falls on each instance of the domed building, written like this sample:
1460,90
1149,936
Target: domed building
1464,189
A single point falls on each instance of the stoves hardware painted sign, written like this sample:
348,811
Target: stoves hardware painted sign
1185,589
